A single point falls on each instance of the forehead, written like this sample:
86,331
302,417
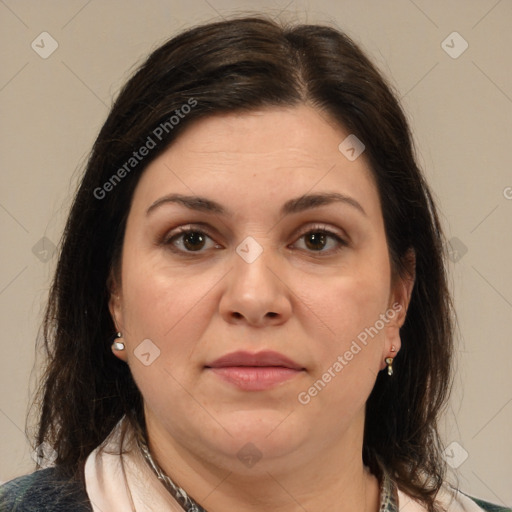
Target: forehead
259,157
298,133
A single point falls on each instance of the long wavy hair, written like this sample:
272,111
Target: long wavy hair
232,66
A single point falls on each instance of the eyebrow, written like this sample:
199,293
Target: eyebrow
296,205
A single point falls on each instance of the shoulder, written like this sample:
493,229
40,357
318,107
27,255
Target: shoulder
448,499
456,500
490,507
46,490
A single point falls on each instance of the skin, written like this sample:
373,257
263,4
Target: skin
306,301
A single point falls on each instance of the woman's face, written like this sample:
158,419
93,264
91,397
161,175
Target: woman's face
256,301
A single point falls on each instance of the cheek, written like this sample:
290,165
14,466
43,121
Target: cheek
348,353
170,308
350,304
345,305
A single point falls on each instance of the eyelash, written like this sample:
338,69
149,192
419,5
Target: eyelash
185,230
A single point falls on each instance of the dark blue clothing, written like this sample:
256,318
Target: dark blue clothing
46,490
50,490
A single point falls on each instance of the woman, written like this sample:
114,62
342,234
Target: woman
250,309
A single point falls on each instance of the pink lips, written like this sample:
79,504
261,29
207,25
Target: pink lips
255,372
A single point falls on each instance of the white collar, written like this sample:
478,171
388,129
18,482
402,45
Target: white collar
118,479
122,483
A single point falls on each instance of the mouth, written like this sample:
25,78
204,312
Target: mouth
255,372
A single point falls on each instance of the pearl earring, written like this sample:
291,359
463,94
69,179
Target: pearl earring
118,346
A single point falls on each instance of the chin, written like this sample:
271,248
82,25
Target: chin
261,435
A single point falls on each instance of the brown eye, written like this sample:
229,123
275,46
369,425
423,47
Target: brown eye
315,240
321,241
193,240
189,241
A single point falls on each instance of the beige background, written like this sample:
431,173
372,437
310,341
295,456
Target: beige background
460,110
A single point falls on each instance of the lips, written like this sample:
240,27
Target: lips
266,358
255,372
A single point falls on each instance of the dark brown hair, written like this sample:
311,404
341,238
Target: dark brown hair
229,66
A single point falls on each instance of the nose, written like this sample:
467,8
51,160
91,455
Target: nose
256,293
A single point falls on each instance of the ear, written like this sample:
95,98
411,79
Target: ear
116,310
399,299
401,288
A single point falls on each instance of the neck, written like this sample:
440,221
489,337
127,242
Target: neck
334,478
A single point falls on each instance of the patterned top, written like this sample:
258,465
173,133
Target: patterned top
51,490
388,494
48,490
